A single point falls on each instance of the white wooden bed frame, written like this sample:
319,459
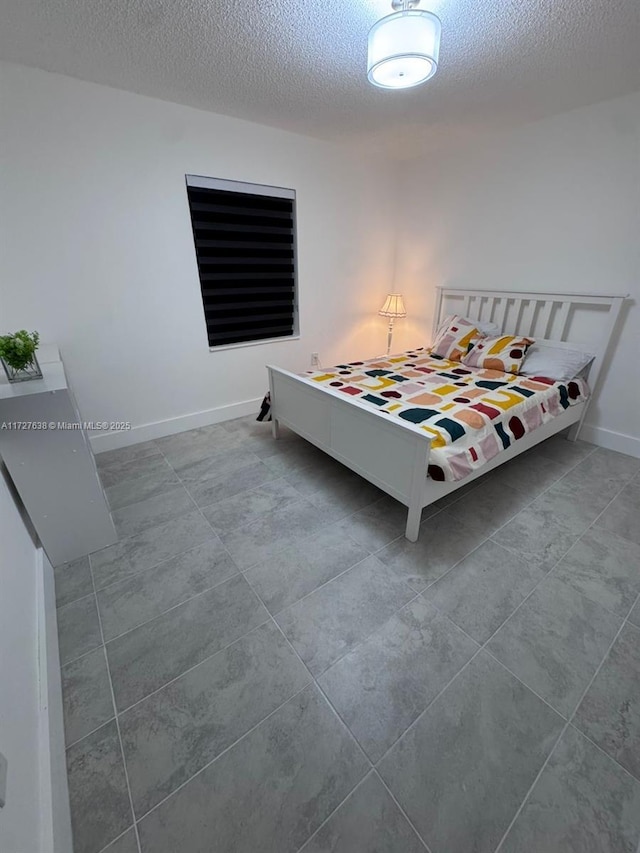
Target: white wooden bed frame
394,454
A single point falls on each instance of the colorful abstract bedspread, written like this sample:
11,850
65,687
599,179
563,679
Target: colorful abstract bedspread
471,414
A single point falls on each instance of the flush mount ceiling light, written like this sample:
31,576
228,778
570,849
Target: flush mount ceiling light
403,47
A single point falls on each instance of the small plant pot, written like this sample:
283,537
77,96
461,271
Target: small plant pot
30,371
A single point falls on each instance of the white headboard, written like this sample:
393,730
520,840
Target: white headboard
587,320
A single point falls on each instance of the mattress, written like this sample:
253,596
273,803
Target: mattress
470,414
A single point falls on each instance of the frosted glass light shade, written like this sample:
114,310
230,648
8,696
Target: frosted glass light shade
403,49
393,306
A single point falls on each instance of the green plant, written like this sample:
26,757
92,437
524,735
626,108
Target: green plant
18,350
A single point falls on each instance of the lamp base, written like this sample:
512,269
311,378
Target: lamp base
389,336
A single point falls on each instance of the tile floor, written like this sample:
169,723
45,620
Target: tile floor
263,664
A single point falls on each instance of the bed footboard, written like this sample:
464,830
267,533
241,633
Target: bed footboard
388,453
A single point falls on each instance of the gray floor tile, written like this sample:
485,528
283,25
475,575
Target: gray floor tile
270,792
555,642
100,808
185,448
379,523
443,541
463,765
130,602
121,470
458,493
346,498
127,843
573,502
484,589
231,513
293,456
603,465
537,536
530,473
132,491
382,686
223,486
322,478
254,432
488,507
582,803
147,549
298,570
579,497
622,515
137,517
127,454
264,538
86,695
149,656
332,620
605,568
265,445
367,822
78,628
566,453
218,464
634,616
248,426
177,731
73,581
610,712
461,771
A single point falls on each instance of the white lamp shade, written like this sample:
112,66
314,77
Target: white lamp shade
403,49
393,306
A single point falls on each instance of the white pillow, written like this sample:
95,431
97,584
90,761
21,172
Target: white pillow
490,330
554,362
484,326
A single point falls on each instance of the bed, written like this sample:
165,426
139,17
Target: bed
398,455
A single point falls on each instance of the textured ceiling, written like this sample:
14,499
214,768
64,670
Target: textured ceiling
302,66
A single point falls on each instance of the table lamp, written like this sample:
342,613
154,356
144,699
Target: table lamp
393,308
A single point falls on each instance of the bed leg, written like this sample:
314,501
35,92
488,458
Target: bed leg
574,431
413,523
275,428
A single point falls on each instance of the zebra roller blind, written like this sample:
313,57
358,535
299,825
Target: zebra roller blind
245,242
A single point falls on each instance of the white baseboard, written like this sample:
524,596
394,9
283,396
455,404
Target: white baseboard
619,441
55,816
158,429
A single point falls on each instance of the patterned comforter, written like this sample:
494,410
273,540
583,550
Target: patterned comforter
471,414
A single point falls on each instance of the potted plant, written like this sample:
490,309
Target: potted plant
18,355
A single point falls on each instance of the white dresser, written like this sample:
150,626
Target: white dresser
52,467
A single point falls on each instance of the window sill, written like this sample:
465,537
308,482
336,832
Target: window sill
255,343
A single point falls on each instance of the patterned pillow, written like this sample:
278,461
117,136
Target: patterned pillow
503,352
454,338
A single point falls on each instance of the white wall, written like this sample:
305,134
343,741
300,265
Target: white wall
553,206
99,257
99,252
19,694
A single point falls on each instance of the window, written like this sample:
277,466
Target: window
245,241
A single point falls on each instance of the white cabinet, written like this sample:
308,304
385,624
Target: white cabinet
52,467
